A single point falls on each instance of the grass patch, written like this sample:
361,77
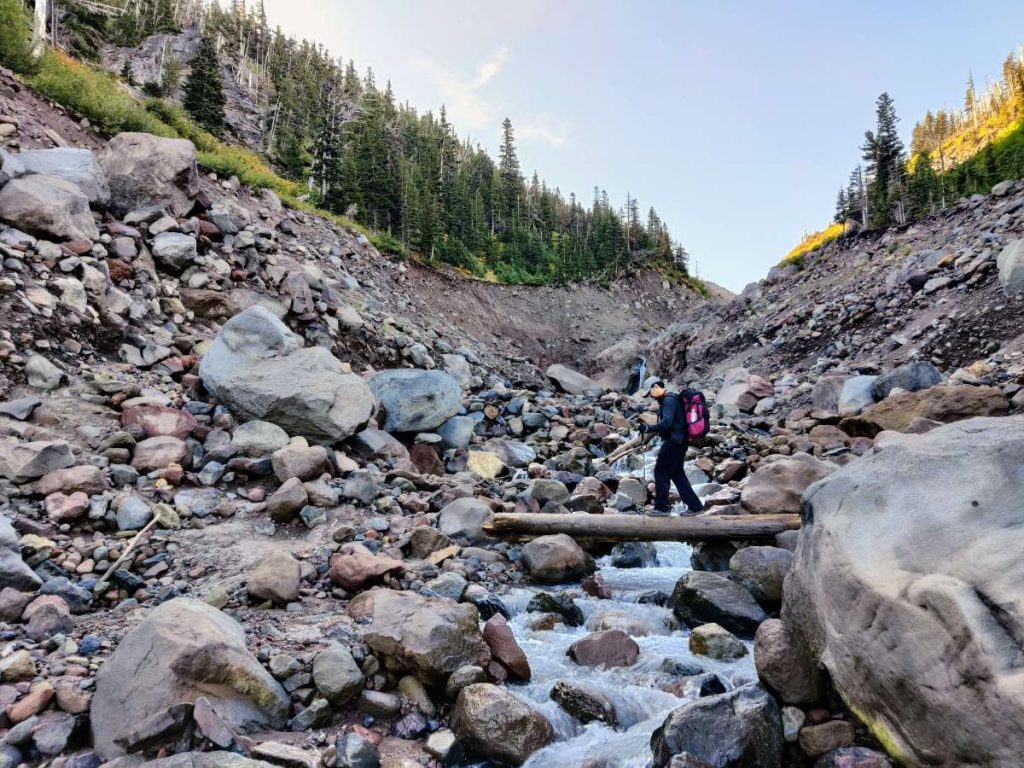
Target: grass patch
812,242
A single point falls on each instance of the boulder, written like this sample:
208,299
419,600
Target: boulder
415,400
1011,267
188,760
716,642
909,377
182,650
158,420
464,518
259,438
429,636
14,572
856,395
491,722
943,403
276,578
573,382
145,170
301,461
906,587
761,570
21,462
584,703
354,566
555,559
42,374
784,667
78,166
337,675
776,486
634,554
738,729
609,648
49,207
702,597
259,369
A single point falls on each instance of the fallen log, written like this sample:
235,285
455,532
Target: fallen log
627,448
586,527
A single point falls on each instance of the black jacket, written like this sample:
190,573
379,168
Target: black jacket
671,420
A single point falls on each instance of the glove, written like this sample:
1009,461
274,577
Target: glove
643,428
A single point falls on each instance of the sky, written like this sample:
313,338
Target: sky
737,121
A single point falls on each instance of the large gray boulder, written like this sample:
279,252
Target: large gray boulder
14,572
49,207
79,166
908,586
183,650
260,370
911,377
1011,267
702,597
776,486
429,636
856,395
144,170
573,382
415,400
738,729
556,559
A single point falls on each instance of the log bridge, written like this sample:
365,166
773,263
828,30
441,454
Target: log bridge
585,527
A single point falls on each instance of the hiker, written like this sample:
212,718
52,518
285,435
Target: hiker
675,435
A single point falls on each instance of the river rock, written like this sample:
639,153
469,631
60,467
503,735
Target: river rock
276,578
184,649
560,604
716,642
416,400
21,462
610,648
190,760
49,207
634,554
285,503
584,703
702,597
300,461
491,722
337,675
556,559
464,518
632,625
145,170
499,638
909,377
738,729
784,666
78,166
761,570
909,559
776,486
354,566
260,370
429,636
573,382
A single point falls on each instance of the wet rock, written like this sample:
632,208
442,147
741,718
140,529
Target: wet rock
504,648
961,590
586,704
634,626
716,642
261,371
784,667
738,729
761,570
819,740
561,605
49,207
145,170
556,559
464,518
354,566
354,751
712,556
707,598
776,487
634,554
276,578
182,650
21,462
610,648
492,722
429,636
416,400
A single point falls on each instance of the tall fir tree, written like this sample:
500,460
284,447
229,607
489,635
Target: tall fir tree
204,88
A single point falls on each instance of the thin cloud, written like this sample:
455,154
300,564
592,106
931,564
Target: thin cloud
474,111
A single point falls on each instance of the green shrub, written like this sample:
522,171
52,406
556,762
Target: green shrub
15,37
385,242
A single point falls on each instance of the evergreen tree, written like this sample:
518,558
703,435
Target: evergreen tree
885,157
15,40
204,89
508,169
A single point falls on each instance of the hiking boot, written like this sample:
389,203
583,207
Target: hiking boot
656,512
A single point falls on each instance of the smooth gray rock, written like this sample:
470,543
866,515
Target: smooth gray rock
573,382
183,649
702,597
464,517
174,250
908,586
911,377
259,438
457,432
761,570
1011,267
336,675
856,395
416,400
21,462
556,559
78,166
14,572
145,170
49,207
260,370
42,374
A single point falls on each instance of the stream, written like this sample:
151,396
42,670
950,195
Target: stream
636,691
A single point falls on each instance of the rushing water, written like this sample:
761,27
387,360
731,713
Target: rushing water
636,691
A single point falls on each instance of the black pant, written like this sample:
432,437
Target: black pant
669,469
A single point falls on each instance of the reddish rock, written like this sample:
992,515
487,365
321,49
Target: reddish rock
63,508
426,460
86,478
611,648
355,565
159,452
504,648
119,270
32,704
157,420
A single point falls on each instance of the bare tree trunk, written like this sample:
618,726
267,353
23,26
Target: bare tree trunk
39,28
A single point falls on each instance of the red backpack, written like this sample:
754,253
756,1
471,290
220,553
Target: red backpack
698,417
